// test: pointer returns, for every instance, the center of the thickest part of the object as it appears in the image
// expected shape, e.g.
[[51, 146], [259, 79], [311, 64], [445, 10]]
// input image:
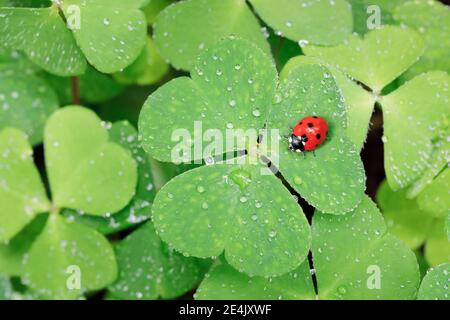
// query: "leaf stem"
[[75, 90]]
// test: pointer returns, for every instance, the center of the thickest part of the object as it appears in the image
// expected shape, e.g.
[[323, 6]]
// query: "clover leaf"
[[86, 171], [224, 282], [378, 60], [147, 69], [139, 208], [183, 30], [63, 246], [403, 216], [435, 197], [355, 258], [358, 101], [432, 19], [414, 226], [225, 92], [149, 269], [320, 22], [25, 103], [63, 50], [22, 194], [435, 283]]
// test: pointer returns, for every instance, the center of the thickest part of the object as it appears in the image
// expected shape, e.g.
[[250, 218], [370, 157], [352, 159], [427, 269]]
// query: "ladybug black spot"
[[303, 136], [315, 117], [301, 122], [310, 125], [318, 136]]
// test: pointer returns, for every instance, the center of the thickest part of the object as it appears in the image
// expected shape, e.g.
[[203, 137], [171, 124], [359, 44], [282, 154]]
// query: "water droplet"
[[241, 177], [204, 205], [254, 217], [232, 103], [298, 180], [200, 189], [272, 234], [342, 290], [106, 22], [303, 43], [256, 113], [243, 199], [237, 67]]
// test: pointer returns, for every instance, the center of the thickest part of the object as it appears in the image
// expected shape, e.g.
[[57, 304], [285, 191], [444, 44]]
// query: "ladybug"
[[308, 134]]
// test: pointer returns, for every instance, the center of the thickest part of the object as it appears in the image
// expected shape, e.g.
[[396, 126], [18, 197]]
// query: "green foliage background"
[[87, 185]]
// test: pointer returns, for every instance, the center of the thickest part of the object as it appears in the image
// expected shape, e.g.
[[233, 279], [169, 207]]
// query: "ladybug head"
[[296, 144]]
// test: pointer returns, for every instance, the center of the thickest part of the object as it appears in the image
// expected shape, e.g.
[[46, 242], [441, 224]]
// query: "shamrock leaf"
[[149, 269], [147, 69], [224, 282], [22, 194], [376, 60], [261, 228], [432, 19], [355, 258], [184, 29], [25, 102], [407, 151], [437, 247], [139, 209], [12, 254], [376, 63], [320, 21], [86, 171], [403, 216], [435, 284], [416, 227], [66, 255], [231, 88], [358, 101], [311, 90], [63, 50], [435, 197], [64, 246]]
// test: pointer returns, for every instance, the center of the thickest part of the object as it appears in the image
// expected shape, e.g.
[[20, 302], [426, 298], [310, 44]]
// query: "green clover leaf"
[[63, 50], [149, 269], [358, 101], [96, 176], [352, 252], [435, 283], [63, 247], [224, 92], [377, 60], [435, 197], [261, 228], [25, 103], [22, 194], [432, 19], [321, 22], [62, 244], [183, 30], [404, 108], [414, 226], [224, 282], [403, 216], [147, 69], [353, 258], [139, 208]]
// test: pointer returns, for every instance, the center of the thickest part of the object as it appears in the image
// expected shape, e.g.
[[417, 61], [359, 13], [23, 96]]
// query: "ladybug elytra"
[[308, 134]]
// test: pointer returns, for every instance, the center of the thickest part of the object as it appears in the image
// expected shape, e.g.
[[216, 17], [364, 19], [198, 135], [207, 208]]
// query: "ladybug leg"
[[314, 153]]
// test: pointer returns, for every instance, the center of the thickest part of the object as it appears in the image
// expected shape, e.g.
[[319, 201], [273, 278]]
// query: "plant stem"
[[75, 90]]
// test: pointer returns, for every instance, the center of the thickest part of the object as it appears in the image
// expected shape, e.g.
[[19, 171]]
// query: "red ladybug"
[[308, 134]]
